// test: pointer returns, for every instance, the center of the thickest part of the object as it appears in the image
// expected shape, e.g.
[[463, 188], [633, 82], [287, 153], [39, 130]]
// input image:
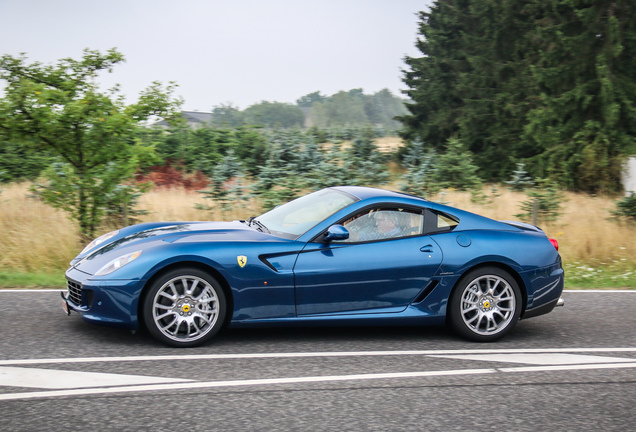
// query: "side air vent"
[[426, 291]]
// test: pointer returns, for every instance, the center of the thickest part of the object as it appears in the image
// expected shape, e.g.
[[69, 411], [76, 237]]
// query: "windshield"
[[297, 217]]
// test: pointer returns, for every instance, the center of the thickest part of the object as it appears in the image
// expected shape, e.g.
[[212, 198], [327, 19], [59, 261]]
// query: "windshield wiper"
[[259, 225]]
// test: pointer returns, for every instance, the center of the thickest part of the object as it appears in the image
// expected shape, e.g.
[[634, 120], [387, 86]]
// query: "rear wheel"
[[185, 307], [485, 305]]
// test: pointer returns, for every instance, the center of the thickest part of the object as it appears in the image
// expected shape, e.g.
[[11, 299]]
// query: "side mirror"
[[336, 232]]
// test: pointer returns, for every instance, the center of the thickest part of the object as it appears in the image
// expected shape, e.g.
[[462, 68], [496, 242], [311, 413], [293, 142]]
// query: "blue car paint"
[[332, 278], [302, 281]]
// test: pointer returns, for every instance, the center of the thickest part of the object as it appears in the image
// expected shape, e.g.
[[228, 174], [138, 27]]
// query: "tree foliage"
[[353, 107], [274, 114], [227, 115], [308, 100], [60, 110], [19, 161], [547, 82]]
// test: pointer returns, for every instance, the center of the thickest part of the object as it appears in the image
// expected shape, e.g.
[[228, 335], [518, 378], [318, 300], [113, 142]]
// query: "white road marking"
[[540, 359], [300, 380], [61, 379], [555, 368], [240, 383], [309, 354]]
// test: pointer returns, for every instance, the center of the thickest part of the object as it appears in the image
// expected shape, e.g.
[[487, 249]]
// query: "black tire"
[[485, 305], [185, 307]]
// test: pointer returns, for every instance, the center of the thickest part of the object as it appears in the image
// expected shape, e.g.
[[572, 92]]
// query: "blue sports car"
[[342, 255]]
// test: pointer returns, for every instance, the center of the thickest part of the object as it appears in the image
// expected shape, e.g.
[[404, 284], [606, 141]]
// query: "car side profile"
[[341, 255]]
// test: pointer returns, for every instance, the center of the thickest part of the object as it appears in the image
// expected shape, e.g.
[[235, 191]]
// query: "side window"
[[383, 223], [439, 222]]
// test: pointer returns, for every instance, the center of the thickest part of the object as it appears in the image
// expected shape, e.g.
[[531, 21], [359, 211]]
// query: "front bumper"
[[105, 302]]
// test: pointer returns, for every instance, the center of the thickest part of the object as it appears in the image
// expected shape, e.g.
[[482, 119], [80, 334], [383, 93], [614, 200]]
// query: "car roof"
[[362, 192]]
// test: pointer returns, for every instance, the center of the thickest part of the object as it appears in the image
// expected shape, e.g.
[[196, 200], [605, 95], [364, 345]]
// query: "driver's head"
[[386, 221]]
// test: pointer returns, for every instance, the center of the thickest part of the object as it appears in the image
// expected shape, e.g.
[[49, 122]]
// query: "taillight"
[[555, 243]]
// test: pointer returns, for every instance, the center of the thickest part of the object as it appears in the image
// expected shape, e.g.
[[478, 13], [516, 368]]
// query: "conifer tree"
[[419, 178], [520, 179]]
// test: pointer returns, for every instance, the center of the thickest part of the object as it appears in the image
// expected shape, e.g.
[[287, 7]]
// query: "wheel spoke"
[[167, 326], [207, 300], [160, 317], [492, 324], [166, 295], [497, 312], [492, 288]]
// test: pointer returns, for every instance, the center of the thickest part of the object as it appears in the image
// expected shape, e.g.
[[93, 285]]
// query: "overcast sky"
[[225, 51]]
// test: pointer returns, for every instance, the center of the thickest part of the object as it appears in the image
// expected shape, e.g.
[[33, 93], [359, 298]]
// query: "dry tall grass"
[[33, 236], [37, 238]]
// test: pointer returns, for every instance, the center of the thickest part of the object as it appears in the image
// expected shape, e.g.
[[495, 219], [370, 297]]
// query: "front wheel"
[[485, 305], [184, 308]]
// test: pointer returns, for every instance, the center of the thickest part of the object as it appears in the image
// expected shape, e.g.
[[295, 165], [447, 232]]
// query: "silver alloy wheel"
[[488, 304], [185, 308]]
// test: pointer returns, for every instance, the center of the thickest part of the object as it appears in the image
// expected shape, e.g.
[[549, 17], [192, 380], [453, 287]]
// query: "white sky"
[[222, 51]]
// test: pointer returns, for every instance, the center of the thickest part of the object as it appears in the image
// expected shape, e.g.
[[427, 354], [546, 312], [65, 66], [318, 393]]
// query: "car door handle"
[[427, 248]]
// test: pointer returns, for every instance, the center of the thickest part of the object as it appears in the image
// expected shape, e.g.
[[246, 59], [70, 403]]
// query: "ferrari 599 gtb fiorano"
[[342, 255]]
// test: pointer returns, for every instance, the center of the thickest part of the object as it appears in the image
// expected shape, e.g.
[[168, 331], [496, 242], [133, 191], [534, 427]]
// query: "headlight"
[[99, 240], [118, 263]]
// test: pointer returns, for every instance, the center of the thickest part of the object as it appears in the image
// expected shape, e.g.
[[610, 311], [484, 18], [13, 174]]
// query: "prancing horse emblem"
[[242, 260]]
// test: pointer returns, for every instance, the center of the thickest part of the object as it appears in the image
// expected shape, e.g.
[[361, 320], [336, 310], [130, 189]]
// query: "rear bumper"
[[544, 309], [545, 287]]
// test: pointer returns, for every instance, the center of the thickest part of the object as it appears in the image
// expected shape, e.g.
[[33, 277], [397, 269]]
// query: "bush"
[[626, 208]]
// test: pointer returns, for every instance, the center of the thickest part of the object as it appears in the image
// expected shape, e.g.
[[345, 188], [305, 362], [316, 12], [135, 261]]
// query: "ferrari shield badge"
[[242, 260]]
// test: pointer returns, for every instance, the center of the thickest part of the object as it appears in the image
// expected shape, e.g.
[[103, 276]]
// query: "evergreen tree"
[[626, 208], [433, 78], [279, 180], [226, 184], [520, 179], [550, 82], [333, 169], [419, 178], [366, 162], [586, 73], [544, 203]]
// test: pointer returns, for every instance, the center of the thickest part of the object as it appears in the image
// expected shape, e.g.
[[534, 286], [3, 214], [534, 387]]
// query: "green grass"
[[600, 275], [10, 279]]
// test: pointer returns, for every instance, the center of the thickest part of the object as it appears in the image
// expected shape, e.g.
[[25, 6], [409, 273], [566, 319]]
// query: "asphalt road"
[[571, 370]]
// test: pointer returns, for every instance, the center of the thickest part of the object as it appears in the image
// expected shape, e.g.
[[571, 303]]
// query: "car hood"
[[144, 236]]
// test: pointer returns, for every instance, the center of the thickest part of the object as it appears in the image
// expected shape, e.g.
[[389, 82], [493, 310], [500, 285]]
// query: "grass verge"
[[600, 275], [32, 280]]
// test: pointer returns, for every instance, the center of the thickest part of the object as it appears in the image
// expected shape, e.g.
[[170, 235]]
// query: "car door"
[[380, 268]]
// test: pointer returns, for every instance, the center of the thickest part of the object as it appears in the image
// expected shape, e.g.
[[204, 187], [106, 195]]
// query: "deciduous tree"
[[60, 108]]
